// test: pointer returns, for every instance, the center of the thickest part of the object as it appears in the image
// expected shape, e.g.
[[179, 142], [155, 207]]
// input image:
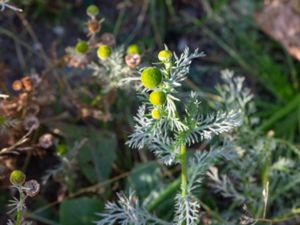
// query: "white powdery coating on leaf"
[[187, 210], [126, 211]]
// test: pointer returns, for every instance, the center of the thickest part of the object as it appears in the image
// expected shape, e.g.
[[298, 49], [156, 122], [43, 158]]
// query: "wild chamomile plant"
[[257, 180], [25, 189], [168, 126]]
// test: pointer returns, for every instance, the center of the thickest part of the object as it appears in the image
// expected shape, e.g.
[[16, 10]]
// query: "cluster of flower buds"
[[152, 79], [31, 187], [78, 55]]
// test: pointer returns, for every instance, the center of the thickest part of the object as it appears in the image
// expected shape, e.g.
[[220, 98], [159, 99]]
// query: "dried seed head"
[[31, 123], [133, 49], [17, 85], [94, 26], [78, 62], [108, 39], [32, 188], [17, 177], [92, 10], [151, 77], [74, 59], [46, 141], [133, 60], [104, 52], [157, 98], [82, 47], [28, 83]]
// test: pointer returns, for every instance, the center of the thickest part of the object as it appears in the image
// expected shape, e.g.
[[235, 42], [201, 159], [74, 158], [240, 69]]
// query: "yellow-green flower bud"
[[151, 77], [82, 47], [17, 177], [92, 10], [157, 98], [165, 55], [62, 150], [103, 52], [156, 114], [134, 49]]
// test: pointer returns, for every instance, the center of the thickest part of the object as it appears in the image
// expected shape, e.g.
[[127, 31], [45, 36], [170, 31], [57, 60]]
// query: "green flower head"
[[92, 10], [103, 52], [156, 114], [151, 77], [157, 98], [17, 177], [82, 47], [165, 56], [134, 49]]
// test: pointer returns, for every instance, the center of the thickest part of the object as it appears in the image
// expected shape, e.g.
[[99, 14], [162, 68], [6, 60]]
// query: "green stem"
[[20, 208], [169, 191], [183, 161], [19, 216]]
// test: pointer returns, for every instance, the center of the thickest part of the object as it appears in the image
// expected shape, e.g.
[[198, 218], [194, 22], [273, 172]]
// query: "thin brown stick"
[[21, 141]]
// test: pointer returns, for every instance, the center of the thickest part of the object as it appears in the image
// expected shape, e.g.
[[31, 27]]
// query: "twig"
[[18, 143], [4, 4], [34, 38]]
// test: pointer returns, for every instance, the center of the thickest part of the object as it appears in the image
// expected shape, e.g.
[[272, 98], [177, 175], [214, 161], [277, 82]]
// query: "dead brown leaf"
[[281, 20]]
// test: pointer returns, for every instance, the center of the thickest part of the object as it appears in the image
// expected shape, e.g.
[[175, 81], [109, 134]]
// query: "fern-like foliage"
[[194, 128], [182, 66], [224, 186], [201, 162], [127, 211], [178, 126], [233, 92], [204, 127], [113, 71], [187, 210], [142, 128]]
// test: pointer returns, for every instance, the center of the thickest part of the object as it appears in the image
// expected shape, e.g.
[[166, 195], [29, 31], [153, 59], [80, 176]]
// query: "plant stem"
[[20, 207], [19, 216], [183, 161], [169, 191]]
